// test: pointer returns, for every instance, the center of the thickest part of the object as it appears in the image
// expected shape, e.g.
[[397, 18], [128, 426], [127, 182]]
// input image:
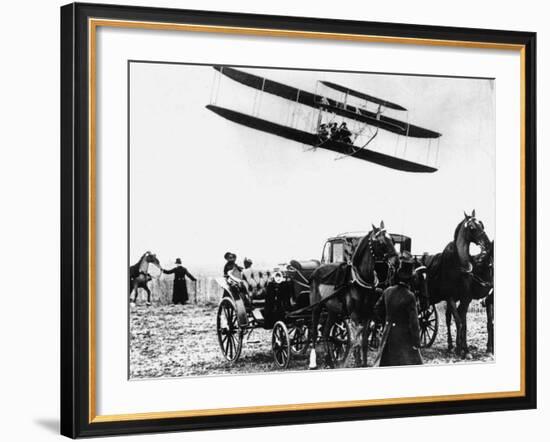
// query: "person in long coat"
[[401, 336], [179, 291]]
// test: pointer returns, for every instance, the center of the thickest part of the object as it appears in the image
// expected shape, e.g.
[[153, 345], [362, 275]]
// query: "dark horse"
[[481, 288], [450, 275], [139, 275], [354, 290]]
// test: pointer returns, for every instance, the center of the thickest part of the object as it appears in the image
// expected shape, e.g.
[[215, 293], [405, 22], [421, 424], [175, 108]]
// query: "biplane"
[[321, 137]]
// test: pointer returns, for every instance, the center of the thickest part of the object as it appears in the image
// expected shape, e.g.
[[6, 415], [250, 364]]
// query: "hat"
[[229, 255], [178, 261], [406, 267]]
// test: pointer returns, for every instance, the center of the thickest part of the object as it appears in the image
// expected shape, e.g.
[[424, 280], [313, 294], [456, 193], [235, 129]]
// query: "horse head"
[[470, 231], [146, 259], [377, 245], [381, 245], [152, 259], [475, 230]]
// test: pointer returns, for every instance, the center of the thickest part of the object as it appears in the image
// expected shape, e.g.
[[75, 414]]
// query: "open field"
[[171, 341]]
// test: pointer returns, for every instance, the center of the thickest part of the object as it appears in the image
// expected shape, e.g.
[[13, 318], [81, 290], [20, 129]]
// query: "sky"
[[201, 185]]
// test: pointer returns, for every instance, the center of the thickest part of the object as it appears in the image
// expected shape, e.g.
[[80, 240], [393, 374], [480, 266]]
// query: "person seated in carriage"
[[230, 263], [231, 270], [248, 284]]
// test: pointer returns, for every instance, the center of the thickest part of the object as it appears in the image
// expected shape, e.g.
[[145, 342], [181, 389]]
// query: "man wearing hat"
[[401, 336], [231, 263], [179, 292]]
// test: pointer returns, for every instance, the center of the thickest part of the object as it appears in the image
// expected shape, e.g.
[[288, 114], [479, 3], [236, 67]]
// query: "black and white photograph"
[[295, 219], [274, 221]]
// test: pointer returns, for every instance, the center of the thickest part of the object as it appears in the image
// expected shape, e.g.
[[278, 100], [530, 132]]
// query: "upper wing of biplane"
[[363, 96], [320, 102], [313, 140]]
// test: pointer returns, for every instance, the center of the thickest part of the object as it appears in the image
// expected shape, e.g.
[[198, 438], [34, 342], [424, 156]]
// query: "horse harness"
[[304, 282], [475, 278], [356, 277]]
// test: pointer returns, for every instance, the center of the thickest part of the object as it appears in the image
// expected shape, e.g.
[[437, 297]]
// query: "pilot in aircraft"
[[344, 134], [323, 132], [333, 130]]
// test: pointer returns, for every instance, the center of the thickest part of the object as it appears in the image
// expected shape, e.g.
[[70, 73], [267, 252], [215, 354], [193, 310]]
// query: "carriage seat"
[[300, 273], [306, 268], [255, 282]]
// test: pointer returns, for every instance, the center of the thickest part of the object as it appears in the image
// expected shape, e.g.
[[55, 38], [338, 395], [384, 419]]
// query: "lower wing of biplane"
[[313, 139]]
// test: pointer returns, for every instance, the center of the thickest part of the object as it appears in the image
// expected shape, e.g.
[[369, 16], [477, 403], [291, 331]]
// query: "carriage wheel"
[[338, 342], [374, 334], [230, 335], [280, 343], [299, 339], [428, 320]]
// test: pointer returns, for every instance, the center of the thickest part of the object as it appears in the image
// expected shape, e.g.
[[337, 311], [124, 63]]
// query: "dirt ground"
[[172, 341]]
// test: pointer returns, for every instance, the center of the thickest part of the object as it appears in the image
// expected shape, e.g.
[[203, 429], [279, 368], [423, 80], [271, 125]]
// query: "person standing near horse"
[[400, 340], [483, 289], [179, 291]]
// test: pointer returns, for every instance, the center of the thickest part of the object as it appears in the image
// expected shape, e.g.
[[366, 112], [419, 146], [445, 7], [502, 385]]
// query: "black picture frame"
[[75, 220]]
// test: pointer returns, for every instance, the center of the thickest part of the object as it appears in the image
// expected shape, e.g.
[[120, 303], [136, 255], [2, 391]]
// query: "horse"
[[139, 275], [450, 275], [354, 288], [481, 288]]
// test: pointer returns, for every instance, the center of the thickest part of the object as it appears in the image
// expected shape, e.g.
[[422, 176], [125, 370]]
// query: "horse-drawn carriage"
[[279, 300], [276, 300]]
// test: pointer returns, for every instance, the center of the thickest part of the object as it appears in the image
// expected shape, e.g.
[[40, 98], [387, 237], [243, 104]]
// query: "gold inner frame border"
[[93, 24]]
